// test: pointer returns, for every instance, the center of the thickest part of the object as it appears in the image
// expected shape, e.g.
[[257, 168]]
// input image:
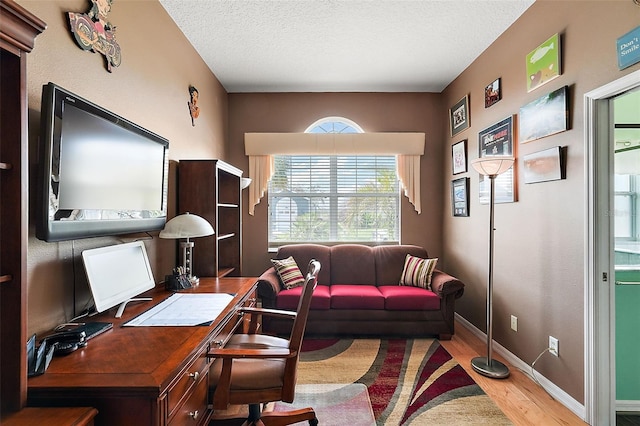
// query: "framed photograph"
[[460, 196], [497, 139], [547, 115], [492, 93], [459, 157], [459, 116], [544, 166], [543, 63]]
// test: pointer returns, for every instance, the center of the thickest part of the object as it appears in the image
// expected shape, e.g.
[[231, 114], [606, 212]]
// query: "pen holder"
[[176, 282]]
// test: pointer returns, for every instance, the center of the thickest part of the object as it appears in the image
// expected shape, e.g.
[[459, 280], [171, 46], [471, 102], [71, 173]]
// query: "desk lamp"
[[491, 167], [187, 226]]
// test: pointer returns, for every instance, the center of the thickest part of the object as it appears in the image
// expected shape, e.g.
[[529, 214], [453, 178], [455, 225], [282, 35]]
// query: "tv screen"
[[101, 174]]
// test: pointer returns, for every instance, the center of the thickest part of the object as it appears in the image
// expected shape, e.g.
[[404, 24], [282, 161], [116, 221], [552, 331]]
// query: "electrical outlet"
[[514, 323], [554, 346]]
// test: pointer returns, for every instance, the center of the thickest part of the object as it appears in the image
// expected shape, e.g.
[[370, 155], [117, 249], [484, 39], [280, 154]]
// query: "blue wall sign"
[[629, 49]]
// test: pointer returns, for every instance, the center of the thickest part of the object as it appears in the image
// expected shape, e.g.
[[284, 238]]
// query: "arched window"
[[334, 198]]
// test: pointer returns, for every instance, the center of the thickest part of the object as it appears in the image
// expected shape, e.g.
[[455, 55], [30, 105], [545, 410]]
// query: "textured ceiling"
[[341, 45]]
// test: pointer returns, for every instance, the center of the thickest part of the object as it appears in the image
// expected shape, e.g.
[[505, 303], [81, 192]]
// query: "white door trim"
[[599, 351]]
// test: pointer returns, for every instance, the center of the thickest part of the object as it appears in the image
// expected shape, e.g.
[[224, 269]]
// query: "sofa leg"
[[444, 336]]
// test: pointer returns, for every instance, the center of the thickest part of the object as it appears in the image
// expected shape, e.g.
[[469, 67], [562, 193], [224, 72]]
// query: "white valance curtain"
[[261, 147]]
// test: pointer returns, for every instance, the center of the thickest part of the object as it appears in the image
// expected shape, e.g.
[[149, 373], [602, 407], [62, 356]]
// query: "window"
[[326, 199]]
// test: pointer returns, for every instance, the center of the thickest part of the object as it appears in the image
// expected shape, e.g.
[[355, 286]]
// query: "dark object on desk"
[[38, 359], [91, 329], [61, 343], [176, 282], [65, 342]]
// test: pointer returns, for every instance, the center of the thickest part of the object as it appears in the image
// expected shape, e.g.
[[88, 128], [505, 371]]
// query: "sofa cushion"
[[417, 272], [402, 298], [390, 261], [288, 299], [352, 264], [356, 296], [288, 272], [303, 253]]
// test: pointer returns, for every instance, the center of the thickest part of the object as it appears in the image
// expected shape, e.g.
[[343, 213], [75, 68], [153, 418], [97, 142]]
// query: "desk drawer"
[[194, 410], [196, 374]]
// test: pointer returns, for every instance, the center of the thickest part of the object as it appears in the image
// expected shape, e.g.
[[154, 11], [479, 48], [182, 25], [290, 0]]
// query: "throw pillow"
[[288, 272], [417, 272]]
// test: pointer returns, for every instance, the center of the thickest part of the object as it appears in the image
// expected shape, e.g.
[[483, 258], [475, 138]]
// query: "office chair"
[[255, 369]]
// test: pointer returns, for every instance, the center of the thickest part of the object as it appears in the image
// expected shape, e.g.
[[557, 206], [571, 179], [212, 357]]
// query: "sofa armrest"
[[444, 284], [269, 287]]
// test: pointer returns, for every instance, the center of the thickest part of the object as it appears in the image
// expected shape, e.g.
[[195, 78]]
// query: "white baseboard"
[[628, 406], [558, 394]]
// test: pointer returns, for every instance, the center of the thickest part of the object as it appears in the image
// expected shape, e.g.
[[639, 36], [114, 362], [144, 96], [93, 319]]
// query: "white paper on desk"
[[184, 309]]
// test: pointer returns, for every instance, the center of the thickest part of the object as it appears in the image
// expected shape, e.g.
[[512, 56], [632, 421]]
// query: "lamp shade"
[[492, 166], [187, 226]]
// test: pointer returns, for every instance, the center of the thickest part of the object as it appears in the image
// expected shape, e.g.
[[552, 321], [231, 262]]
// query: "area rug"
[[409, 381], [334, 404]]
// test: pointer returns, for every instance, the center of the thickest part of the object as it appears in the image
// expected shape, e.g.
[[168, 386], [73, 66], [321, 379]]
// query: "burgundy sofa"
[[358, 293]]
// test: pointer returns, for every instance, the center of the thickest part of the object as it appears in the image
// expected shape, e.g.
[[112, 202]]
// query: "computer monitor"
[[117, 273]]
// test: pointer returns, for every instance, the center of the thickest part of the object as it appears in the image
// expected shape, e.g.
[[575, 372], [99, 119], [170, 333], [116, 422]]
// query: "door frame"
[[599, 297]]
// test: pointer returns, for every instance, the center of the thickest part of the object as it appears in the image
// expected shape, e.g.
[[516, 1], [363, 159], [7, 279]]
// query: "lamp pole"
[[486, 365]]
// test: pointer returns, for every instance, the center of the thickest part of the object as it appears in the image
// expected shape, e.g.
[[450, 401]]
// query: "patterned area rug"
[[413, 381], [334, 404]]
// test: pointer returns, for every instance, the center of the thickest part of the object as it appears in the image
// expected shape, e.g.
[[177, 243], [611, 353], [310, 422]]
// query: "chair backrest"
[[304, 304], [297, 331]]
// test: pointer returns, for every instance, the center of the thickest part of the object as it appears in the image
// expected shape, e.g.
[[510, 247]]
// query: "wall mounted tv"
[[100, 174]]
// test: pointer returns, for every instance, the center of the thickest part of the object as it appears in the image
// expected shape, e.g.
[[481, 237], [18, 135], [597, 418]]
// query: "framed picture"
[[460, 196], [547, 115], [492, 93], [459, 157], [543, 63], [497, 139], [544, 166], [459, 116]]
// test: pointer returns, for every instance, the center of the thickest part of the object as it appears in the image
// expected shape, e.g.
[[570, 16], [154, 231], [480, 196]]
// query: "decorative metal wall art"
[[94, 32], [194, 109]]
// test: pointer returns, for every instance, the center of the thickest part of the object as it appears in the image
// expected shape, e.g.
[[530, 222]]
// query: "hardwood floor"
[[519, 397]]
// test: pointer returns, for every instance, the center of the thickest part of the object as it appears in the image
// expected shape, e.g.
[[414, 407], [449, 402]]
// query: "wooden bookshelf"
[[212, 189]]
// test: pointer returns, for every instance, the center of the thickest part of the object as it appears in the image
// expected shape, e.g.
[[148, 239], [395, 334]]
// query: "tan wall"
[[374, 112], [150, 88], [539, 240]]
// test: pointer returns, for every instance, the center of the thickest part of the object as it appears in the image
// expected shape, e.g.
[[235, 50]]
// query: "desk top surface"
[[143, 357]]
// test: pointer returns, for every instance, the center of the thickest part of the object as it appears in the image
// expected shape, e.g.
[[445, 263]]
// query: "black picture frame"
[[460, 197], [459, 157], [497, 139], [493, 92], [459, 116]]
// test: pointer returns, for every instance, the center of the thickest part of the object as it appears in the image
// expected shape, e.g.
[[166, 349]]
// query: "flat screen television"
[[100, 174]]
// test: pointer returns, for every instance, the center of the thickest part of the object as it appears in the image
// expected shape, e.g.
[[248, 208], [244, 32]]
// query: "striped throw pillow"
[[417, 272], [288, 272]]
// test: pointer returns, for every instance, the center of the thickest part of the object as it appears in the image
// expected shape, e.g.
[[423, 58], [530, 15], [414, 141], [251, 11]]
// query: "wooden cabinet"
[[211, 189], [145, 375], [18, 30]]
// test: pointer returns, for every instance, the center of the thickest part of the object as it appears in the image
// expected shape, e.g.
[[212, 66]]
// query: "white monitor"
[[117, 273]]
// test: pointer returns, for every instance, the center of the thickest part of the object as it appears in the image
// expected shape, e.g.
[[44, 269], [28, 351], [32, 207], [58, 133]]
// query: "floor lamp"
[[491, 167]]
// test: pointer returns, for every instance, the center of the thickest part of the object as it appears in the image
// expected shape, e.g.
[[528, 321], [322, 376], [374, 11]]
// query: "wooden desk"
[[144, 375]]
